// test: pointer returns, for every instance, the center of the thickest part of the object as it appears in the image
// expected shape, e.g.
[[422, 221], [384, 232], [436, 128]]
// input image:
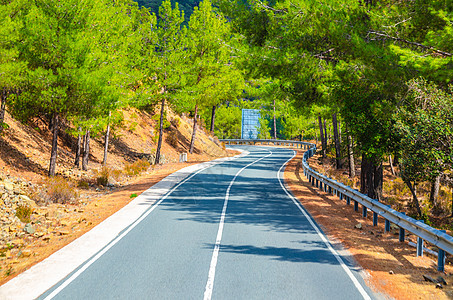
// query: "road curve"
[[231, 231]]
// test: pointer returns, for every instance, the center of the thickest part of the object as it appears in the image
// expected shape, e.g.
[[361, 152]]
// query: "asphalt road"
[[229, 232]]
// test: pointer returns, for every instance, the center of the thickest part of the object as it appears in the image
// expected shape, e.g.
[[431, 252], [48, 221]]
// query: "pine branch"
[[411, 43]]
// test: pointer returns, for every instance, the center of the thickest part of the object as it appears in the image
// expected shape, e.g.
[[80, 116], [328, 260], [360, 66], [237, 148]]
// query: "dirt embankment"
[[393, 267], [32, 226]]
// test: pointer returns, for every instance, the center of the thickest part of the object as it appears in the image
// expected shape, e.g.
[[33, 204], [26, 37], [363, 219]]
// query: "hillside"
[[39, 215]]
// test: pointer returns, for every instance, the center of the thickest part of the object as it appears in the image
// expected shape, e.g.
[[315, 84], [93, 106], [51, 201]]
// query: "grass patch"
[[136, 168], [60, 191]]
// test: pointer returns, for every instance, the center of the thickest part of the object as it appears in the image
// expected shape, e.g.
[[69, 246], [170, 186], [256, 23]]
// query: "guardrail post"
[[356, 206], [320, 185], [325, 188], [387, 222], [348, 200], [364, 211], [375, 218], [420, 243], [341, 196], [330, 189], [402, 232], [441, 259], [317, 183]]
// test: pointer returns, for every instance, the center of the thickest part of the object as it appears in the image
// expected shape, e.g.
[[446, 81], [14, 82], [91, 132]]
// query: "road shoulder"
[[393, 267]]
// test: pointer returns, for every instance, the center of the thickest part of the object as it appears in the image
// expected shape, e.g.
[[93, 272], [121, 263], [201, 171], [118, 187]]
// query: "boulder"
[[29, 229], [8, 185]]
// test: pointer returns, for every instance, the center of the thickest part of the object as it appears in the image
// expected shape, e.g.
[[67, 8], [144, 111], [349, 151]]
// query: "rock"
[[39, 234], [63, 232], [18, 242], [9, 187], [429, 278], [29, 229], [391, 272], [26, 253], [112, 182], [393, 226], [358, 226], [24, 198], [65, 223], [441, 280], [439, 286], [46, 237]]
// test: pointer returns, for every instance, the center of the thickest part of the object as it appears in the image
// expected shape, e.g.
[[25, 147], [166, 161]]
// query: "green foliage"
[[166, 123], [134, 195], [264, 129], [228, 122], [425, 130], [186, 5]]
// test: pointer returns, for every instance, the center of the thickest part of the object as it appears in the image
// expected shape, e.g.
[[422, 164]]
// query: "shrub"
[[136, 168], [172, 138], [60, 191], [134, 195], [116, 174], [176, 121], [83, 184], [23, 212], [103, 176]]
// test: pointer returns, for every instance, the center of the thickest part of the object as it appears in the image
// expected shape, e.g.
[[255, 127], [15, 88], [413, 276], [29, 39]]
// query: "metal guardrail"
[[438, 238]]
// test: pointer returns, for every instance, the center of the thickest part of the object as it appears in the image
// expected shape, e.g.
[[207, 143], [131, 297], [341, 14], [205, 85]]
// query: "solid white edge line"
[[322, 236], [215, 254], [113, 242]]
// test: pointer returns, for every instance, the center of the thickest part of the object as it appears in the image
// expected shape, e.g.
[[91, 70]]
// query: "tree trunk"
[[325, 132], [451, 190], [213, 119], [413, 190], [371, 177], [351, 163], [275, 124], [435, 185], [323, 141], [194, 131], [106, 141], [391, 165], [79, 146], [86, 151], [3, 96], [53, 152], [161, 132], [337, 141]]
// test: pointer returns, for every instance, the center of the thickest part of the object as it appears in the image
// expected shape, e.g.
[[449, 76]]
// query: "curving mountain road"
[[230, 231]]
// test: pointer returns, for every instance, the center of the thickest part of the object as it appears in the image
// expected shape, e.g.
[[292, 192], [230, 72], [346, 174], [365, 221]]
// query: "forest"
[[374, 75]]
